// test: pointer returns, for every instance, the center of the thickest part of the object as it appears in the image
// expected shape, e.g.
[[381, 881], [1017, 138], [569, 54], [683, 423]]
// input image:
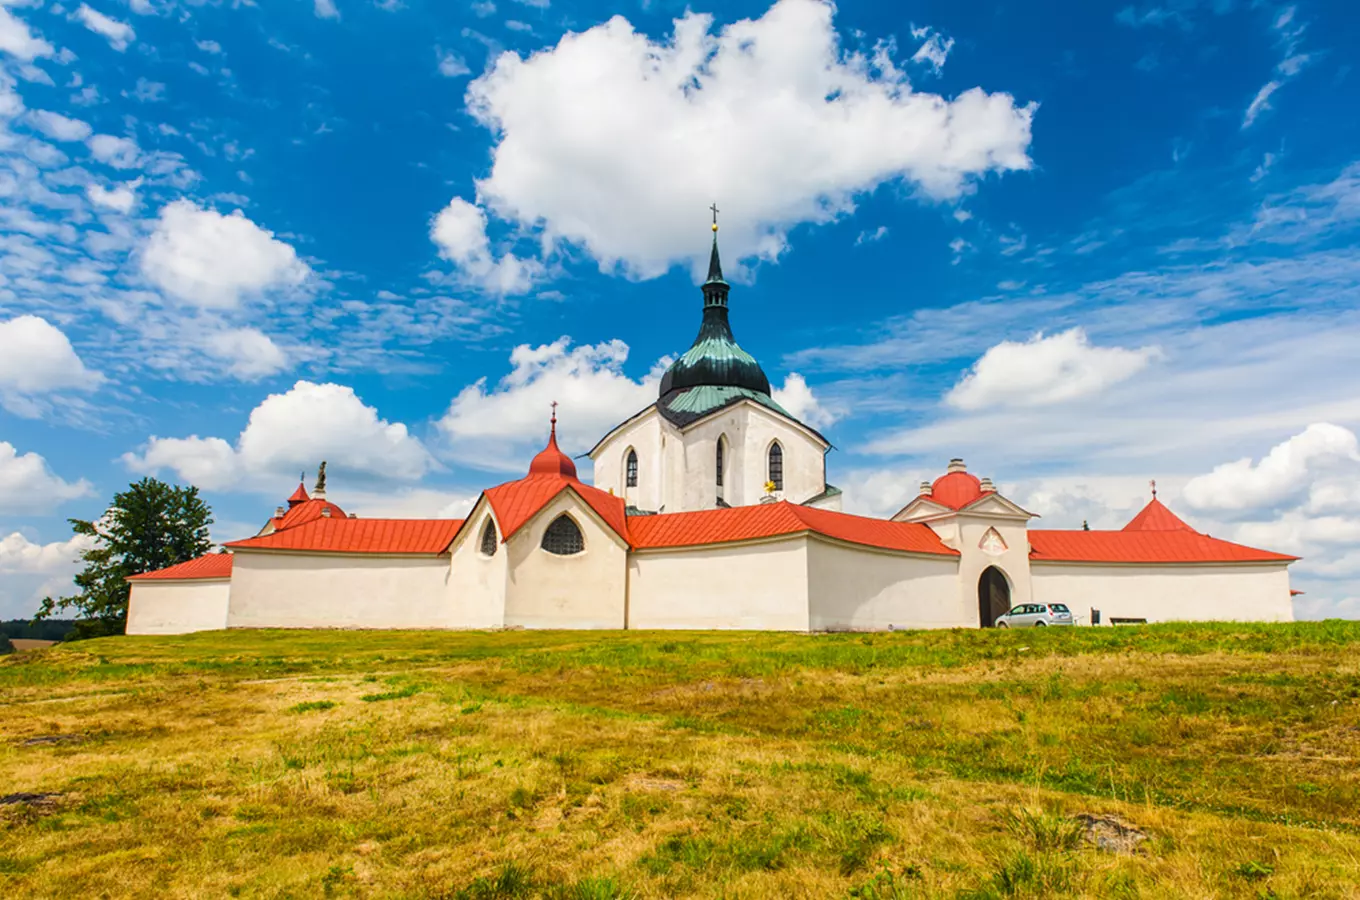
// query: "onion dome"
[[552, 461], [715, 359], [958, 487]]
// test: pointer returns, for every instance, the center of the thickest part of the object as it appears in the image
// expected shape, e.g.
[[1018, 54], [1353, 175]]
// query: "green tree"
[[149, 526]]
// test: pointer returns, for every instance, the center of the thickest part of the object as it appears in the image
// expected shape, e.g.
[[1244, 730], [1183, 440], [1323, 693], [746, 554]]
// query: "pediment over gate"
[[996, 505]]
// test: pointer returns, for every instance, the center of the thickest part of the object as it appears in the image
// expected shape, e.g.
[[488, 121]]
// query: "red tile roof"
[[299, 495], [1156, 517], [415, 536], [307, 511], [1178, 546], [211, 565], [720, 526], [956, 489], [516, 502]]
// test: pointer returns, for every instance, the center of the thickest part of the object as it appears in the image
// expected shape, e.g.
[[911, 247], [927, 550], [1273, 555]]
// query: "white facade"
[[178, 607], [274, 589], [1245, 592], [677, 467]]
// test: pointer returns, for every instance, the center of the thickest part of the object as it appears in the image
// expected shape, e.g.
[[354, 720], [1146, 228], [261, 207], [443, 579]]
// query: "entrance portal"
[[994, 596]]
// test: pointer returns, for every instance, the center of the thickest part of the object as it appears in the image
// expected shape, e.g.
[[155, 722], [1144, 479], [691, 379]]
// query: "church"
[[710, 509]]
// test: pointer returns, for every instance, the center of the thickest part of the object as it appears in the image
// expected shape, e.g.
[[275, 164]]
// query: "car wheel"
[[1039, 624], [1001, 625]]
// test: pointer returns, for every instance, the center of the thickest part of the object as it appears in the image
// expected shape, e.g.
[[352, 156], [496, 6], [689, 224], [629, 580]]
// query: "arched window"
[[489, 538], [776, 467], [563, 537], [721, 442], [631, 468]]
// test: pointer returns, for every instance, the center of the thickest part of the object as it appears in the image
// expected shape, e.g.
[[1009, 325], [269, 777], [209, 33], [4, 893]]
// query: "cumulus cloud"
[[17, 40], [118, 34], [19, 555], [118, 152], [1046, 370], [27, 485], [288, 432], [120, 198], [613, 142], [1285, 473], [797, 398], [325, 9], [59, 127], [37, 358], [206, 259], [459, 230], [492, 427]]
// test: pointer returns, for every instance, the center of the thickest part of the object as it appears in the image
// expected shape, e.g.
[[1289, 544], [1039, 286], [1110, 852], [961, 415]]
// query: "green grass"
[[644, 765]]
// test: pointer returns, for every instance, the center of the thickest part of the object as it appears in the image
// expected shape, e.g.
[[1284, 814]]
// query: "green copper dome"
[[715, 360]]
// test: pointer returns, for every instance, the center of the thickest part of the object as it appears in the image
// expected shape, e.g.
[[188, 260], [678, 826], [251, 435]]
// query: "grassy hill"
[[547, 764]]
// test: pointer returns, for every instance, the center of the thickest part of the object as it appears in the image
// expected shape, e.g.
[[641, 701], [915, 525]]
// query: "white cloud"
[[451, 65], [141, 7], [459, 230], [17, 40], [869, 237], [118, 152], [19, 555], [36, 358], [609, 141], [121, 198], [494, 428], [118, 34], [206, 259], [288, 432], [248, 352], [1260, 103], [59, 127], [1046, 370], [209, 47], [796, 397], [934, 51], [325, 9], [27, 485], [1285, 473]]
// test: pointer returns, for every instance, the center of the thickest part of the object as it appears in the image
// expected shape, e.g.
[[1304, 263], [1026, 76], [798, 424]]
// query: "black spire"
[[715, 359], [715, 288]]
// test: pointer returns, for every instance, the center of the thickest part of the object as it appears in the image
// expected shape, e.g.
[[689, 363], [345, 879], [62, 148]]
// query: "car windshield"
[[1057, 607]]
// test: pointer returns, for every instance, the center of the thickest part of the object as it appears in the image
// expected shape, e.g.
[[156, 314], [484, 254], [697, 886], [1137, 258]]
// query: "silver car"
[[1035, 615]]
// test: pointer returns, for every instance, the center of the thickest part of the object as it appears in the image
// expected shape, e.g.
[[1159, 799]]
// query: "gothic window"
[[631, 466], [563, 537], [489, 540], [721, 441], [777, 466]]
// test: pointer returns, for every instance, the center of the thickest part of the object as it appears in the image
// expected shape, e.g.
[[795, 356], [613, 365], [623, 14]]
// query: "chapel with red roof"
[[709, 509]]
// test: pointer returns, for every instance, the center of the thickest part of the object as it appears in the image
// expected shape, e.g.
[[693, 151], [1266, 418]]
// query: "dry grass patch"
[[554, 765]]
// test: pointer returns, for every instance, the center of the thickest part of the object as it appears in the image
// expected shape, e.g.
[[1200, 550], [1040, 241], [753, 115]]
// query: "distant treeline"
[[46, 630]]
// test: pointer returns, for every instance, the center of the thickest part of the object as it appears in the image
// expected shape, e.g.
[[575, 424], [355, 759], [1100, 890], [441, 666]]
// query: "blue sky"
[[1082, 245]]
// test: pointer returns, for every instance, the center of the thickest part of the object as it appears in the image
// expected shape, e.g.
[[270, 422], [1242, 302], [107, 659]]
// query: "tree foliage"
[[149, 526]]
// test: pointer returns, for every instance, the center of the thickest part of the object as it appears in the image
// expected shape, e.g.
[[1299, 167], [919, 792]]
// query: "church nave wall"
[[857, 589], [316, 590]]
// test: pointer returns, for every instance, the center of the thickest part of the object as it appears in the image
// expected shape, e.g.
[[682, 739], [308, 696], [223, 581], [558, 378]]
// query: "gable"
[[994, 504], [626, 425]]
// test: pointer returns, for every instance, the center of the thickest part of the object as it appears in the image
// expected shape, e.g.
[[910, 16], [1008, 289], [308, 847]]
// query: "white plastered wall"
[[648, 435], [1167, 593], [585, 590], [178, 607], [965, 532], [752, 585], [318, 590], [861, 589], [476, 588], [677, 469]]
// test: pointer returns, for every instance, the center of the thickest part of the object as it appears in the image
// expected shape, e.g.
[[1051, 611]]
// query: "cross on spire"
[[1153, 483], [714, 207], [554, 418]]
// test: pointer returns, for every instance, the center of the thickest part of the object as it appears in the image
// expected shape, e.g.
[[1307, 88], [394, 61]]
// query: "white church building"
[[710, 509]]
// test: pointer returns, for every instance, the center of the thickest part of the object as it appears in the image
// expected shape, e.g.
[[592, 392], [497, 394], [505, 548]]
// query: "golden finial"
[[714, 207]]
